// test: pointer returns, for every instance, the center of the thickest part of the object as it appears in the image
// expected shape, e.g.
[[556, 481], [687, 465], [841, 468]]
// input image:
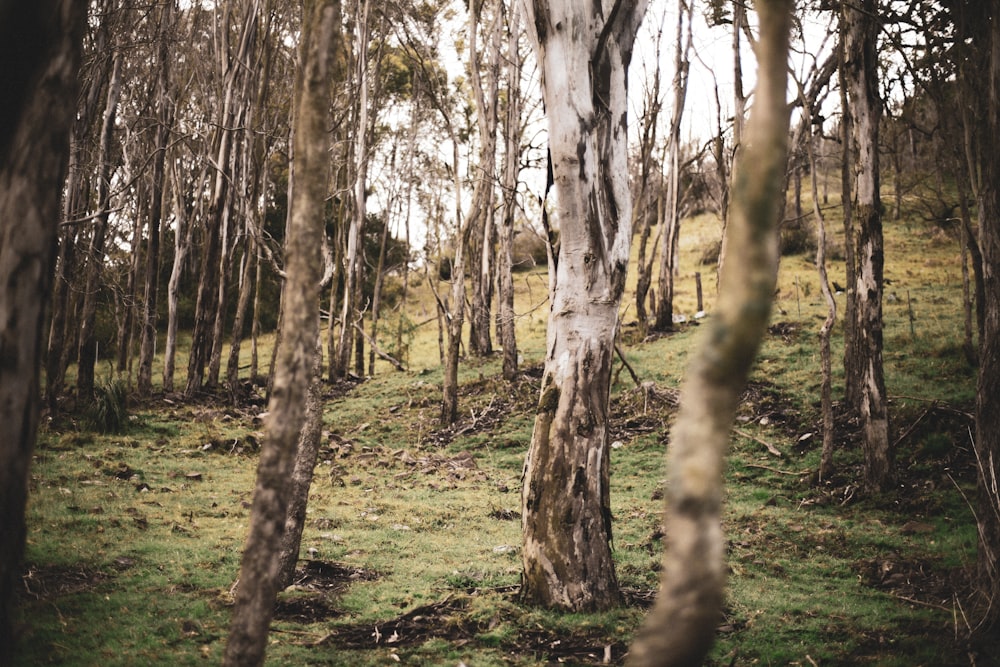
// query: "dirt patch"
[[314, 589]]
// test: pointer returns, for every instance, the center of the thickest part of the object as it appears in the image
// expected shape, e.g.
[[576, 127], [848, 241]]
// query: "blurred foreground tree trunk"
[[39, 61], [681, 626], [584, 50], [258, 583]]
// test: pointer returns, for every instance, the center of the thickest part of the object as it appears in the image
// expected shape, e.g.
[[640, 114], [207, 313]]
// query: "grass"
[[135, 538]]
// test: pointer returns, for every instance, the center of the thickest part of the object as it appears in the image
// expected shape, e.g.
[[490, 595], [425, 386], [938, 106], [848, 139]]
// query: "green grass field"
[[413, 532]]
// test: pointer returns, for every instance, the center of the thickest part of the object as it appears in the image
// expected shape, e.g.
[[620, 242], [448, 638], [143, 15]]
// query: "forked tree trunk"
[[39, 60], [355, 237], [296, 359], [584, 51], [680, 628], [860, 32]]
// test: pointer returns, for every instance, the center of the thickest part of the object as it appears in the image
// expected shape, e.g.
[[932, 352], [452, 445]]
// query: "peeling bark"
[[584, 53]]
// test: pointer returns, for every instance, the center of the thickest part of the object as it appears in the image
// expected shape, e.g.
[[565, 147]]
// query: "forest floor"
[[411, 549]]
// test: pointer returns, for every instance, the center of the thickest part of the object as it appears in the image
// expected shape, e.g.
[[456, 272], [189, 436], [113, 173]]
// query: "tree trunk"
[[987, 444], [87, 355], [681, 626], [127, 299], [481, 250], [209, 300], [39, 60], [182, 244], [650, 120], [302, 475], [826, 466], [510, 171], [355, 236], [147, 345], [566, 513], [259, 570], [248, 269], [860, 32], [739, 115], [671, 220], [60, 340]]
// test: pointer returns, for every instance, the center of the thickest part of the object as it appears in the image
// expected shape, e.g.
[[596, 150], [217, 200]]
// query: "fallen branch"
[[771, 448], [631, 371], [912, 427], [780, 472], [392, 360]]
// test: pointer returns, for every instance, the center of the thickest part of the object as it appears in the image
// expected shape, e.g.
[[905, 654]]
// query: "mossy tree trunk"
[[39, 60], [296, 357], [680, 628], [584, 51]]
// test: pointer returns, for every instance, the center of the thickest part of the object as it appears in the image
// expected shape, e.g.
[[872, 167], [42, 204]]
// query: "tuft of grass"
[[108, 413]]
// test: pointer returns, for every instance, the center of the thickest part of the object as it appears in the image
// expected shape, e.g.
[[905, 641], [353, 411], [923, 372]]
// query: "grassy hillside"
[[411, 546]]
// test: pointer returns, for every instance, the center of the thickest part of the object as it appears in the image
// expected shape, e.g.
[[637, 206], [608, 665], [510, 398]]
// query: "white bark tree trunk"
[[584, 51]]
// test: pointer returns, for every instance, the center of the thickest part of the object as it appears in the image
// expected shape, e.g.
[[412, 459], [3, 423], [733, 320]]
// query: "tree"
[[584, 51], [87, 356], [864, 376], [671, 208], [165, 119], [680, 628], [206, 338], [509, 171], [987, 444], [39, 61], [295, 364], [485, 80]]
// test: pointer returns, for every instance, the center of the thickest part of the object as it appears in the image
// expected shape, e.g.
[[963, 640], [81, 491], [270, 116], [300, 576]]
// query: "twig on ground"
[[771, 448], [780, 472]]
